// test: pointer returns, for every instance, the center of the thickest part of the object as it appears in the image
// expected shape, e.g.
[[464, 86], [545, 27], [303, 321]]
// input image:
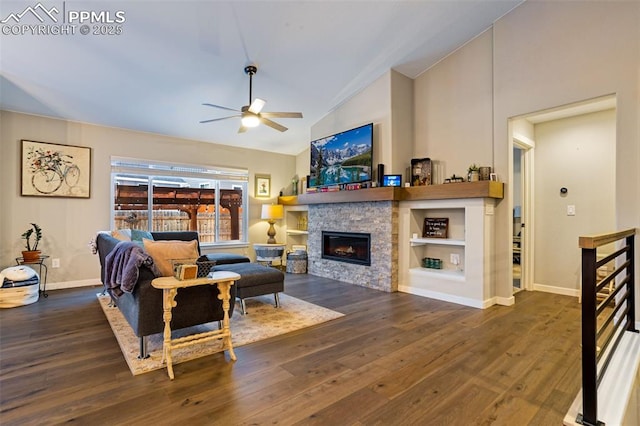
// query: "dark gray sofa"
[[143, 307]]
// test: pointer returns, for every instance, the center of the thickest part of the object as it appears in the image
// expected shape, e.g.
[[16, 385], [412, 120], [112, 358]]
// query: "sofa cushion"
[[138, 235], [121, 234], [252, 274], [163, 252]]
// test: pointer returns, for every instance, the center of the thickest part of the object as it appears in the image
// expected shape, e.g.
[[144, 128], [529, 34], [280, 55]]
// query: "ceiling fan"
[[250, 114]]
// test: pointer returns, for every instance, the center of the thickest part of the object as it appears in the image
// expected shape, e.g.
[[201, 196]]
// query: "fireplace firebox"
[[347, 247]]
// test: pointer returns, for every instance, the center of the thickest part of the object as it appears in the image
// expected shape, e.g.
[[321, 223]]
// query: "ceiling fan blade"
[[221, 107], [218, 119], [257, 105], [242, 129], [282, 114], [273, 124]]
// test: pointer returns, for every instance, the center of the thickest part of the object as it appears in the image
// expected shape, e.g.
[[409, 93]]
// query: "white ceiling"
[[174, 55]]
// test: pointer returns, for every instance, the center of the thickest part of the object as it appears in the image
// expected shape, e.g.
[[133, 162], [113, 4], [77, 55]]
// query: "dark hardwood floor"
[[393, 359]]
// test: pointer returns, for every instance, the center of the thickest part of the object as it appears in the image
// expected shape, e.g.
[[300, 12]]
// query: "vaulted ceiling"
[[172, 56]]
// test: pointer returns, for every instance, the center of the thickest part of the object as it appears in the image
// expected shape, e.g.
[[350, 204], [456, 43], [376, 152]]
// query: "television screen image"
[[392, 180], [342, 158]]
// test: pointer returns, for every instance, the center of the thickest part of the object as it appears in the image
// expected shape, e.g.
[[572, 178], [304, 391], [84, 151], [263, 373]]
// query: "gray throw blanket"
[[122, 267]]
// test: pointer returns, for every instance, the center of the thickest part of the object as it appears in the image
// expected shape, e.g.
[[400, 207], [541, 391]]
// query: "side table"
[[270, 253], [170, 285], [41, 264]]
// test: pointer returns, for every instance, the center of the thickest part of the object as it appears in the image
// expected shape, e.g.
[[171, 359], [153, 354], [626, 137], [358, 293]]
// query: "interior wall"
[[549, 54], [523, 130], [453, 110], [402, 124], [303, 161], [577, 153], [388, 103], [539, 56], [69, 224], [371, 105]]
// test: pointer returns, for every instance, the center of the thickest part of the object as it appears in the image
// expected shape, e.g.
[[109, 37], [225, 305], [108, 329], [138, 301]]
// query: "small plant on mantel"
[[32, 253], [474, 173]]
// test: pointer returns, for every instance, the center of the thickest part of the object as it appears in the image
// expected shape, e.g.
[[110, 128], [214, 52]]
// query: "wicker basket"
[[297, 263]]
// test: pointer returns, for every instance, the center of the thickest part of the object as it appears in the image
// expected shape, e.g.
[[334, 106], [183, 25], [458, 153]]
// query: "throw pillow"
[[164, 252], [138, 235], [121, 234]]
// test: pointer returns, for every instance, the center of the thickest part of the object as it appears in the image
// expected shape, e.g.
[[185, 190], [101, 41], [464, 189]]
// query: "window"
[[156, 196]]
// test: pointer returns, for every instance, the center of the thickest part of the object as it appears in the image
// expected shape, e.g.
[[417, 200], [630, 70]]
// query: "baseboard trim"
[[447, 297], [506, 301], [73, 284], [574, 292]]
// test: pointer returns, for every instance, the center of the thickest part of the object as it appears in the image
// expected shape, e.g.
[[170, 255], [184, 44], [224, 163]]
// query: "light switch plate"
[[571, 210]]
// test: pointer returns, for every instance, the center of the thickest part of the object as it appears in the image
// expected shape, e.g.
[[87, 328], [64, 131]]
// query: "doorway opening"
[[568, 192], [518, 223]]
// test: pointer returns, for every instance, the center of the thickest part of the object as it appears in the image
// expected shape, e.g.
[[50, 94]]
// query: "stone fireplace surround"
[[380, 219]]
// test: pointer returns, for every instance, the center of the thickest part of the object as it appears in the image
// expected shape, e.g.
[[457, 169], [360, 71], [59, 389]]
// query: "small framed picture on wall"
[[263, 186]]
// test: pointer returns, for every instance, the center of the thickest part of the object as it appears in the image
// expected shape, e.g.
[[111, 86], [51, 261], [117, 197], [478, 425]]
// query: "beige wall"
[[541, 55], [398, 160], [372, 105], [69, 224], [453, 102], [577, 153], [548, 54], [388, 104]]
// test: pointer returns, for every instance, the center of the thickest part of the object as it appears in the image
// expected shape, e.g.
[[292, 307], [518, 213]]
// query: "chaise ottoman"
[[255, 279]]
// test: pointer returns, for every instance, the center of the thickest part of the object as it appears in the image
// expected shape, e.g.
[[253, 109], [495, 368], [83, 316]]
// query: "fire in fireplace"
[[347, 247]]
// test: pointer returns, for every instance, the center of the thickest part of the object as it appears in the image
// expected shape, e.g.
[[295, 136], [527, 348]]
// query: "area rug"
[[262, 322]]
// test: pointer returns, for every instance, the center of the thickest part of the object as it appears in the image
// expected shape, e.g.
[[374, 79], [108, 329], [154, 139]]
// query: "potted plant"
[[32, 254], [474, 173]]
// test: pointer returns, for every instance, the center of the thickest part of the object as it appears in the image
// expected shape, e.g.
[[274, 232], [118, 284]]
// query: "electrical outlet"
[[455, 258], [55, 263], [571, 210]]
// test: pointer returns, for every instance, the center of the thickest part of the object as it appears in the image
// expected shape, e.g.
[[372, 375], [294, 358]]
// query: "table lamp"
[[272, 212]]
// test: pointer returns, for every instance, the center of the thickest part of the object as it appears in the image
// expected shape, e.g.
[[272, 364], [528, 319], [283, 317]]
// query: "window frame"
[[219, 176]]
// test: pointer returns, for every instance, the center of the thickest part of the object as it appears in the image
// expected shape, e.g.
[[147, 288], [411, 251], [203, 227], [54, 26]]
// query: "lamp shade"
[[272, 211]]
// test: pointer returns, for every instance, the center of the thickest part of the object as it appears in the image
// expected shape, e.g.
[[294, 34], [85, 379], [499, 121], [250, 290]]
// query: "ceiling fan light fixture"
[[251, 115], [250, 120]]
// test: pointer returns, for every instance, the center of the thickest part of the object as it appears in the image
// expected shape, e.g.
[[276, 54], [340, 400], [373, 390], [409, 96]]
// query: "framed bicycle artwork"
[[55, 170]]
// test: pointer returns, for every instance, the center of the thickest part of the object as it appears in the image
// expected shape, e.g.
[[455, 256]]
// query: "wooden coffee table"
[[170, 285]]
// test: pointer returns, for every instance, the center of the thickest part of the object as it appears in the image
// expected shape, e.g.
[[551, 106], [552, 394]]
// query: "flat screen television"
[[343, 158]]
